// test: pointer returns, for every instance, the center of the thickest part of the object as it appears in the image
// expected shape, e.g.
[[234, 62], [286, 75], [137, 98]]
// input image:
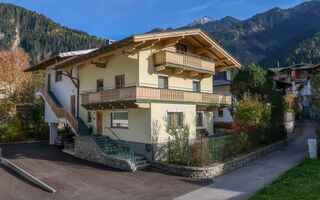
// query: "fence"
[[206, 151]]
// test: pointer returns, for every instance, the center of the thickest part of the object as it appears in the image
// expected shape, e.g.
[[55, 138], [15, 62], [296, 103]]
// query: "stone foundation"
[[219, 168], [86, 148]]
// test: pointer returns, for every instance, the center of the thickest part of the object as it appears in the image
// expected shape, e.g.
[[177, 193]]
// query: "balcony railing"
[[143, 93], [166, 57]]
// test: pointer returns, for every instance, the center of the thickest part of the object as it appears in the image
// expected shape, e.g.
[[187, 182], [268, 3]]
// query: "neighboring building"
[[221, 85], [131, 90], [295, 81]]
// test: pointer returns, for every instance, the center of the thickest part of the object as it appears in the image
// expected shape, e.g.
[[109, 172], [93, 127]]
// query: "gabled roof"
[[197, 36], [57, 59]]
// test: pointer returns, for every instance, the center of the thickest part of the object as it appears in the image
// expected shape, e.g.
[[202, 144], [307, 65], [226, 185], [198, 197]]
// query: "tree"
[[315, 89], [12, 77], [255, 82]]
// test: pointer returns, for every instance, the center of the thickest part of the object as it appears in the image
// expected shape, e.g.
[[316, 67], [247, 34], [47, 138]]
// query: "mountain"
[[284, 35], [202, 20], [38, 35], [212, 25]]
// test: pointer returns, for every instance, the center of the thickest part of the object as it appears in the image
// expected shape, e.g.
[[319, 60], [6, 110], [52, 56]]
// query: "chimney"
[[110, 41]]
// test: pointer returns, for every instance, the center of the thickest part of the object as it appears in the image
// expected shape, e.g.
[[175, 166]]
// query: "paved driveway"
[[74, 178]]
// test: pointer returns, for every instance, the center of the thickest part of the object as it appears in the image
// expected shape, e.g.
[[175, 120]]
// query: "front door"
[[73, 103], [49, 82], [99, 121]]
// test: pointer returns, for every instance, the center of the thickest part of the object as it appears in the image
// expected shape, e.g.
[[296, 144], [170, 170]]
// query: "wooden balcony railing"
[[185, 60], [59, 112], [143, 93]]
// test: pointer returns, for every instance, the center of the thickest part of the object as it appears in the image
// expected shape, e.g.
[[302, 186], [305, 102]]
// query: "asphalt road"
[[246, 181], [74, 178]]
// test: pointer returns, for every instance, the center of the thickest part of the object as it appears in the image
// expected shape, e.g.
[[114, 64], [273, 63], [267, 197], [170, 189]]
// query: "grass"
[[299, 183]]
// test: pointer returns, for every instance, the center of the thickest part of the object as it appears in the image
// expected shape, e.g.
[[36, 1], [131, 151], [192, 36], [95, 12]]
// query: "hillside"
[[39, 35], [284, 35]]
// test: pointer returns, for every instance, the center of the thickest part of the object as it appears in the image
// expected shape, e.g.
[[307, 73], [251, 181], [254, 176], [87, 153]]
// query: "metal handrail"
[[113, 133]]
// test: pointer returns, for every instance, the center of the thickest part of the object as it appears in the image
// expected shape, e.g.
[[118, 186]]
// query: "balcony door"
[[99, 122]]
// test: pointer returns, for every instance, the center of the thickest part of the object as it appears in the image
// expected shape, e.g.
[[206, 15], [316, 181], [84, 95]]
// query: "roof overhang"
[[203, 42], [61, 57]]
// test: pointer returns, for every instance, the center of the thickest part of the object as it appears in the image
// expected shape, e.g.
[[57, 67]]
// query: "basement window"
[[119, 119]]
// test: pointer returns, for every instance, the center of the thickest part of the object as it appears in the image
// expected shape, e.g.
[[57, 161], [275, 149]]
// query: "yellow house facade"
[[134, 88]]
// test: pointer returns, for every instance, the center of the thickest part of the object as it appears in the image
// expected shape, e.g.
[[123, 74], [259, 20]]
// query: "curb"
[[24, 142], [26, 175]]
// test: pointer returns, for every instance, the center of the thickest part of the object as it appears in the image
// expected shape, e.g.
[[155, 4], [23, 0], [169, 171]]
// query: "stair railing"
[[59, 112]]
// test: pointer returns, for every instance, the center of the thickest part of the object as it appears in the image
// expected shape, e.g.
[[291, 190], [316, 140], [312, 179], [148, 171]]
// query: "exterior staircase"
[[61, 113], [118, 150]]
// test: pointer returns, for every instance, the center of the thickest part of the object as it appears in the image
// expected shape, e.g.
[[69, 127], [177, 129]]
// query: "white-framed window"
[[119, 119], [163, 81], [228, 75], [220, 113], [196, 86], [199, 118]]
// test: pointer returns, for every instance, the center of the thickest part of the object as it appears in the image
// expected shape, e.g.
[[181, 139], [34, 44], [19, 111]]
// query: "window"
[[119, 119], [228, 75], [175, 119], [119, 81], [89, 117], [58, 76], [199, 118], [220, 113], [196, 85], [100, 85], [163, 82], [181, 48]]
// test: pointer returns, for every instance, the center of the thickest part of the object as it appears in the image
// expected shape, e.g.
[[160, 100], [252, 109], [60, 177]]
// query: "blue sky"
[[117, 19]]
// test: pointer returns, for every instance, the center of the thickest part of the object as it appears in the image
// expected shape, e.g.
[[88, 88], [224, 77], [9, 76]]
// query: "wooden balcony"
[[142, 94], [193, 64]]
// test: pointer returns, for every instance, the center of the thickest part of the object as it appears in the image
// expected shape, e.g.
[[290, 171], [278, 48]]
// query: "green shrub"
[[11, 131]]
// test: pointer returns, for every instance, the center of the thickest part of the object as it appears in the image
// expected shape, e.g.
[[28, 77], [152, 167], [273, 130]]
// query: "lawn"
[[299, 183]]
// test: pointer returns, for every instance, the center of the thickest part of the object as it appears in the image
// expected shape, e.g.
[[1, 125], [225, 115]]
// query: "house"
[[221, 85], [295, 81], [129, 91]]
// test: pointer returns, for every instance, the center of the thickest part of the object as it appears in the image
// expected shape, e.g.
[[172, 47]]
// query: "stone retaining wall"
[[219, 168], [86, 148]]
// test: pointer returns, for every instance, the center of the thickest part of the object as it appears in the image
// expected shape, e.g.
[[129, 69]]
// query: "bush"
[[11, 131]]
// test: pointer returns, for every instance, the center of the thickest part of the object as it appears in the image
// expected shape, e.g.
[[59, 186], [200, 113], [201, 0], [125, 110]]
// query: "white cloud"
[[197, 8]]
